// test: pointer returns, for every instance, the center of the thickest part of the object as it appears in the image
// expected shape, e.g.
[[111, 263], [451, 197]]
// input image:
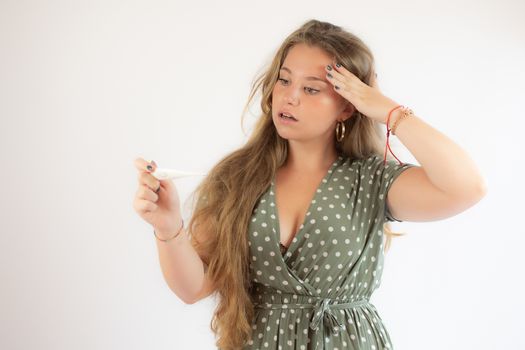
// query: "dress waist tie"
[[322, 315]]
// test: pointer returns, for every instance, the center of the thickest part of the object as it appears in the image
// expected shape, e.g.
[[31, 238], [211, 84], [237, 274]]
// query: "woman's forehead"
[[306, 61]]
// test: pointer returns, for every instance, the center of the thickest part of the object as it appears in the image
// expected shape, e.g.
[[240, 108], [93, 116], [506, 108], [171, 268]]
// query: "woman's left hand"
[[366, 99]]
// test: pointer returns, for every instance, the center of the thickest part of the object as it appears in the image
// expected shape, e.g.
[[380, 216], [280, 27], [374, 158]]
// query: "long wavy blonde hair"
[[228, 195]]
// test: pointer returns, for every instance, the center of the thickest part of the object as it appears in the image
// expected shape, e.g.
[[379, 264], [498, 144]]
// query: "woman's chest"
[[292, 201]]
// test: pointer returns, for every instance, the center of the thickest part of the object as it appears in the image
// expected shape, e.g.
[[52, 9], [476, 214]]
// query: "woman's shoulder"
[[364, 163], [375, 162], [375, 165]]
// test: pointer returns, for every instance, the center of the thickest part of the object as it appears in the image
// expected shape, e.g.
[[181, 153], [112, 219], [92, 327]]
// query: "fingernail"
[[338, 65], [150, 168], [328, 67]]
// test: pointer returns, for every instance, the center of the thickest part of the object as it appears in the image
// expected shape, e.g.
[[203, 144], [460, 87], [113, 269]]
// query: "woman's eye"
[[313, 91]]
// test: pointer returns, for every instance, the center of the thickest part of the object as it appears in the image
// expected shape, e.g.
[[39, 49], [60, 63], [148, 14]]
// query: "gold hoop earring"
[[340, 135]]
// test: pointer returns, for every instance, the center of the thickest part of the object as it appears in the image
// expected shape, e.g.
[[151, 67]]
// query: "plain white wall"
[[88, 86]]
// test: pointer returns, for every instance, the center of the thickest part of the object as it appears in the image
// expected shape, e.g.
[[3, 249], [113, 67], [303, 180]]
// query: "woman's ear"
[[349, 109]]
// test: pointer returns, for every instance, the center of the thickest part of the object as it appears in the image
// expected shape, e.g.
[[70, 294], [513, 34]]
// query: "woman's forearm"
[[181, 266], [446, 164]]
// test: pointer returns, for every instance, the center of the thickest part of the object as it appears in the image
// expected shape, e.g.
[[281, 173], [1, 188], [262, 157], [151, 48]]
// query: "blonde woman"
[[289, 231]]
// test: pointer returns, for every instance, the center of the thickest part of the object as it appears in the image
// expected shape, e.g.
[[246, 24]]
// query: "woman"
[[289, 230]]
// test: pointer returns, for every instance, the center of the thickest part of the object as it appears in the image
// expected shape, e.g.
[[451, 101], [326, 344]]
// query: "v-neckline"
[[297, 236]]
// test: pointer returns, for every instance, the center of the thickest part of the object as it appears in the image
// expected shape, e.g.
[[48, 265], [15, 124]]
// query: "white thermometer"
[[163, 173]]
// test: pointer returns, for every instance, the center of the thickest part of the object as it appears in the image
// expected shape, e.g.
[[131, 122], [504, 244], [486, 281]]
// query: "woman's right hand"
[[162, 209]]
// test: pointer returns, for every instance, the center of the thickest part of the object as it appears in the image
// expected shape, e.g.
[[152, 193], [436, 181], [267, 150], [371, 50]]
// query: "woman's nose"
[[291, 99], [291, 95]]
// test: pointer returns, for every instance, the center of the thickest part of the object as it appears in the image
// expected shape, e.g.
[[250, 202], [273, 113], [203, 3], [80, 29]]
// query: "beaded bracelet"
[[407, 112], [165, 240]]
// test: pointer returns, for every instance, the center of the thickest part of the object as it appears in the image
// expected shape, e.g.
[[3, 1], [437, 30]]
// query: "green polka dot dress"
[[315, 294]]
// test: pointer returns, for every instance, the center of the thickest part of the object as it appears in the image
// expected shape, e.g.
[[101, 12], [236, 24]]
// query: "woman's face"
[[304, 91]]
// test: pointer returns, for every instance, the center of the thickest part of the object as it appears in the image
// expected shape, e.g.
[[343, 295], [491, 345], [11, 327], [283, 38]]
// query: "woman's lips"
[[286, 120], [288, 116]]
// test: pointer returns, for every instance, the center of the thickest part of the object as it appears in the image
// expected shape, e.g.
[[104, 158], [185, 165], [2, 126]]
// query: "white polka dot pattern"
[[315, 295]]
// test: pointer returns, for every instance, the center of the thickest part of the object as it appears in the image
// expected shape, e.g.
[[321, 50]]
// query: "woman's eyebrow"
[[307, 78]]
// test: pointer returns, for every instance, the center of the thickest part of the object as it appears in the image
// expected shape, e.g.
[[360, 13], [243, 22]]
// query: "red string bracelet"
[[388, 129]]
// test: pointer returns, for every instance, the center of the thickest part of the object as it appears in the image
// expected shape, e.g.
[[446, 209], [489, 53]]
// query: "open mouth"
[[286, 117]]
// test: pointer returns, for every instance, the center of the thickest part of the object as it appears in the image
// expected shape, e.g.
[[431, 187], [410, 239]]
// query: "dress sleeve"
[[384, 175]]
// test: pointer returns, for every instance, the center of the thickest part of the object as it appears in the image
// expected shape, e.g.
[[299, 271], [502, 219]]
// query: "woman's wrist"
[[168, 236], [396, 114], [407, 113]]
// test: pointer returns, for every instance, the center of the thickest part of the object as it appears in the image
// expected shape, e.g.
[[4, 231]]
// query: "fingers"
[[144, 175], [142, 165], [142, 205], [334, 78], [145, 192], [340, 77], [146, 197], [341, 73], [145, 178]]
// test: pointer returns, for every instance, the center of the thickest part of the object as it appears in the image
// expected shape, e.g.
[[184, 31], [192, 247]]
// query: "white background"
[[88, 86]]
